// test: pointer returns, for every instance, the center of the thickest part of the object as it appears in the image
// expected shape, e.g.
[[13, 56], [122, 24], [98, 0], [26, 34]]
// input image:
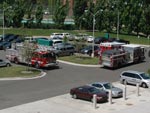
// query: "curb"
[[82, 65], [42, 74]]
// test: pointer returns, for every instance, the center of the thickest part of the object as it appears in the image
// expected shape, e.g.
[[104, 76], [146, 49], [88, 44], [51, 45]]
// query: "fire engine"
[[114, 55], [40, 57]]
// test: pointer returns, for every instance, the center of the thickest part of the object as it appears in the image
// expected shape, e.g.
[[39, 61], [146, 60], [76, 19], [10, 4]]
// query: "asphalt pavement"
[[66, 104]]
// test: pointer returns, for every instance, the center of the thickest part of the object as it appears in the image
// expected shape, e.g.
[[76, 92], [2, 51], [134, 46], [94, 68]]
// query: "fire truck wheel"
[[16, 61], [37, 65], [8, 65]]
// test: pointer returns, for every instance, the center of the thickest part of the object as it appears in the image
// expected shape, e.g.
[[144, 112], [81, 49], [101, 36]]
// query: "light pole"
[[118, 19], [148, 41], [93, 14], [4, 20], [118, 25]]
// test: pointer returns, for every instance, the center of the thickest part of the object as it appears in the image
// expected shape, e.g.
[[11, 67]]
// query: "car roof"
[[85, 86], [100, 83], [132, 71]]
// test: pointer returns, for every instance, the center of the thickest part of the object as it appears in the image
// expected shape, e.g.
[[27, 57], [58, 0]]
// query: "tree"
[[60, 13], [79, 9], [28, 49], [18, 9], [39, 14]]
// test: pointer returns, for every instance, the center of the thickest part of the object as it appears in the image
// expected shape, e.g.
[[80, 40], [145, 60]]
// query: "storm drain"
[[129, 104]]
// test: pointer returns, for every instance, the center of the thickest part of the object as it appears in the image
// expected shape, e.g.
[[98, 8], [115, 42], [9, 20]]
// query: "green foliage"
[[18, 11], [39, 14], [28, 49], [60, 13], [79, 9]]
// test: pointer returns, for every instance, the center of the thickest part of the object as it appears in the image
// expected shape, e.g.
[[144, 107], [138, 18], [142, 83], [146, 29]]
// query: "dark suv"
[[64, 49]]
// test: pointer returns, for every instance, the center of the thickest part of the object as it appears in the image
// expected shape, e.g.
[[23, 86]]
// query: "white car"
[[60, 35], [4, 63], [116, 92], [90, 39]]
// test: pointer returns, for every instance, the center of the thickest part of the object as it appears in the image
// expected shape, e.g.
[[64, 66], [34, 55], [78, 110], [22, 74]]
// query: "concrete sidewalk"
[[66, 104]]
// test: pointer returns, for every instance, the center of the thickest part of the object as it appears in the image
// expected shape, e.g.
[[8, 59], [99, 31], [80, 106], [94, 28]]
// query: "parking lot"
[[66, 104]]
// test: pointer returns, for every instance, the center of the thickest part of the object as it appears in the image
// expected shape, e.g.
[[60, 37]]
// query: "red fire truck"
[[114, 55], [40, 58]]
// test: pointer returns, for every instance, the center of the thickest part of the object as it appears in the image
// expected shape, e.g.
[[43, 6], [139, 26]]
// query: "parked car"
[[122, 41], [4, 45], [116, 92], [4, 63], [57, 41], [64, 49], [18, 40], [134, 77], [87, 92], [90, 39], [89, 49], [81, 36], [6, 36], [99, 40], [11, 38], [60, 35]]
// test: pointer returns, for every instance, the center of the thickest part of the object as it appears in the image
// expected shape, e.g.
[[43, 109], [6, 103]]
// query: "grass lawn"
[[80, 60], [17, 71]]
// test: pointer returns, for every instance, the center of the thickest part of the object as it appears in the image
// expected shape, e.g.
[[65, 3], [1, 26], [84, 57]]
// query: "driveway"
[[57, 82]]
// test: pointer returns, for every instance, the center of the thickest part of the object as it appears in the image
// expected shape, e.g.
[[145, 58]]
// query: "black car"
[[18, 40], [88, 50], [122, 41], [4, 45], [99, 40], [11, 38], [6, 36]]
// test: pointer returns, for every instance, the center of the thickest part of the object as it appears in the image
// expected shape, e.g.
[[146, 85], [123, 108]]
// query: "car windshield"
[[144, 76], [108, 86], [94, 90]]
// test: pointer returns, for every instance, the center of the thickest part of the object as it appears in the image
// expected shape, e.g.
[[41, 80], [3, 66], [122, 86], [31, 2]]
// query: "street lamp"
[[4, 20], [118, 19], [93, 14], [148, 41]]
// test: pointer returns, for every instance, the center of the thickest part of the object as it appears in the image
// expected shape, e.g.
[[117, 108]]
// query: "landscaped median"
[[80, 59], [19, 72]]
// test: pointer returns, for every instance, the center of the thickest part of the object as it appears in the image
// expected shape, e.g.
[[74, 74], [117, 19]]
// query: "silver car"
[[116, 92], [134, 77], [4, 63]]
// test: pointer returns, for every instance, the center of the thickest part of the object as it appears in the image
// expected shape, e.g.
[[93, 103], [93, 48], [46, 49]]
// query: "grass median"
[[80, 59], [18, 71]]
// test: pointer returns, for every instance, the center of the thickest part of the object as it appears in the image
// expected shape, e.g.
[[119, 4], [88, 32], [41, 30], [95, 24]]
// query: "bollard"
[[138, 89], [125, 90], [110, 96], [95, 101]]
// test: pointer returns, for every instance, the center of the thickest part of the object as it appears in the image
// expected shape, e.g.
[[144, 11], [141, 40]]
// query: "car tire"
[[74, 96], [37, 65], [8, 65], [144, 85]]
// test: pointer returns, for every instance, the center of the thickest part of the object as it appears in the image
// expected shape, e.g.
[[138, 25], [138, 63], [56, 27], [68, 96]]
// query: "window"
[[137, 76], [97, 85]]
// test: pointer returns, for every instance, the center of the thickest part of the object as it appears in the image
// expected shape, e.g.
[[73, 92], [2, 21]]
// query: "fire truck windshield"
[[49, 55]]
